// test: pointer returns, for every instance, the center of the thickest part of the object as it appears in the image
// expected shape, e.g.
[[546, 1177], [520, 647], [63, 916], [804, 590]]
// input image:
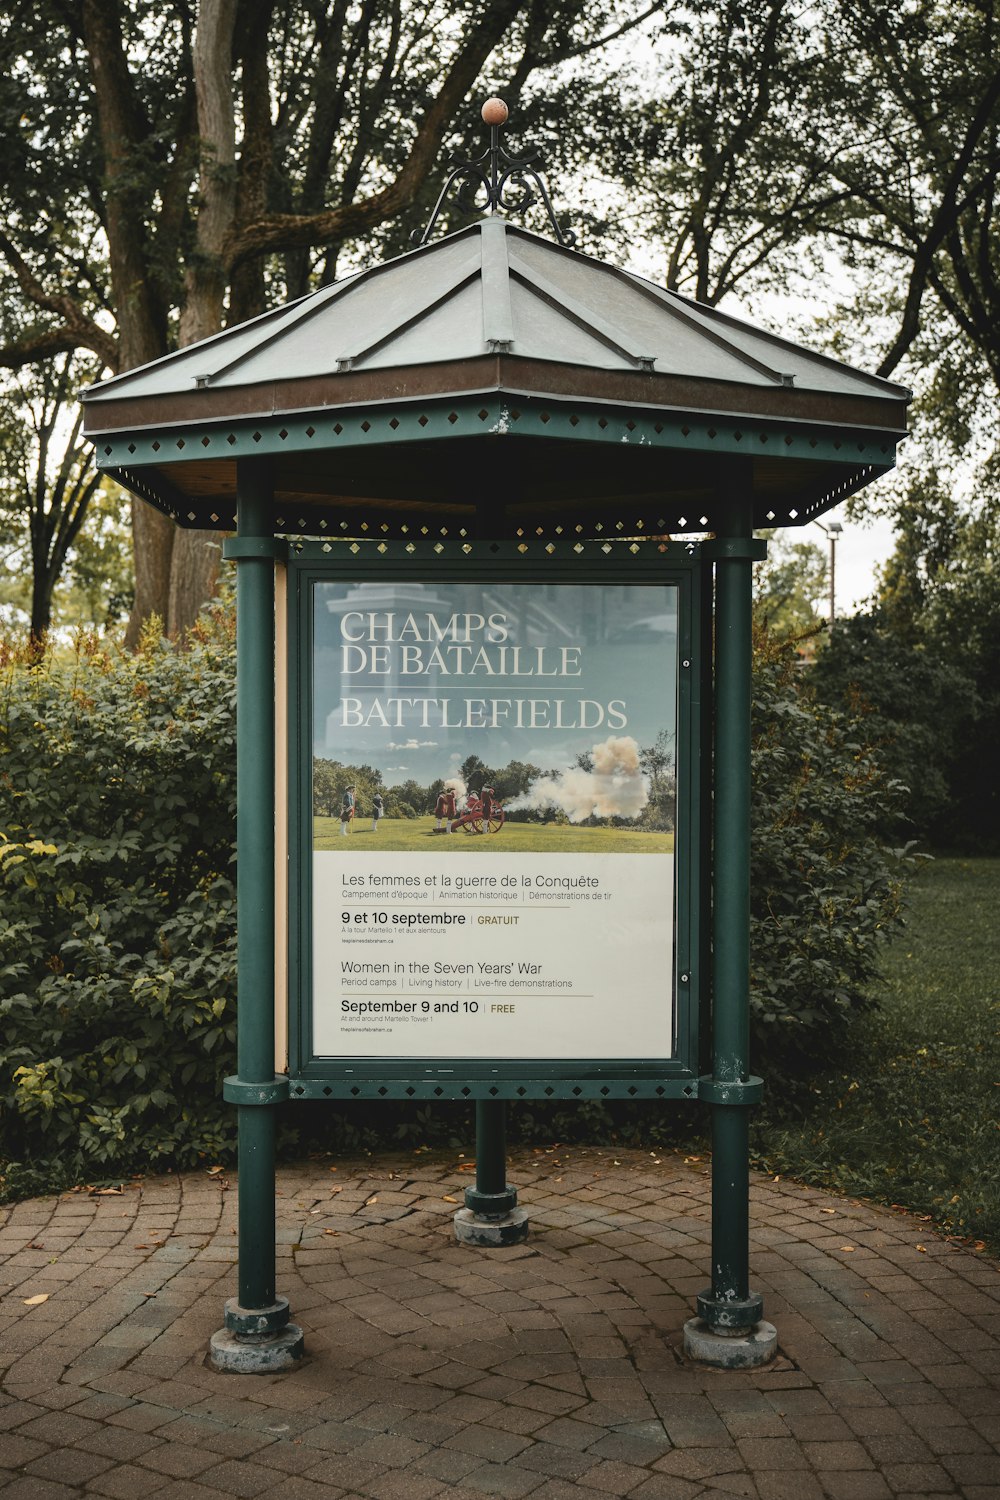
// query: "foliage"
[[723, 177], [47, 479], [789, 587], [330, 781], [167, 170], [924, 663], [782, 142], [825, 894], [909, 1118], [95, 584], [117, 943], [914, 156], [916, 708], [410, 799], [98, 585], [659, 768]]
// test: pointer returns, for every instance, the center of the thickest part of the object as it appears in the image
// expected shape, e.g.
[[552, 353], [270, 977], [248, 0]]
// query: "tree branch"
[[77, 331], [946, 217], [292, 231], [564, 54]]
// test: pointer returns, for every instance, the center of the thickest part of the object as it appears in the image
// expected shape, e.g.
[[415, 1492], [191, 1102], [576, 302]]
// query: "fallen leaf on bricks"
[[371, 1200], [847, 1249], [34, 1301], [448, 1198]]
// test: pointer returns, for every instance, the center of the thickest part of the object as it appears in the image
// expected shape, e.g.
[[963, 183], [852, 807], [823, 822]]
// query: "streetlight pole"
[[833, 531]]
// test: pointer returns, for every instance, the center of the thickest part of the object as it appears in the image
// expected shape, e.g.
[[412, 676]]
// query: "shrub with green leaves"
[[825, 893], [117, 927]]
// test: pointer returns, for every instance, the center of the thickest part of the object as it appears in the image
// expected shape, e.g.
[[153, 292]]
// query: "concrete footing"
[[238, 1354], [476, 1229], [741, 1351]]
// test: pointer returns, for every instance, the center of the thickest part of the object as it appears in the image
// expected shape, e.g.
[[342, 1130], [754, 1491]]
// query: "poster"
[[494, 810]]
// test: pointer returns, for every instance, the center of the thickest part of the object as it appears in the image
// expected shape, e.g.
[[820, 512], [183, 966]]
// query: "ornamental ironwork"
[[497, 181]]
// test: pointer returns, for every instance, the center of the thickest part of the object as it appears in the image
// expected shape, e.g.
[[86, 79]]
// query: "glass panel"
[[494, 808]]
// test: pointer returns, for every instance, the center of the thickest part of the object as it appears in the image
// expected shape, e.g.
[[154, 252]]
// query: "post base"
[[476, 1229], [491, 1205], [721, 1351], [256, 1322], [235, 1354], [730, 1316]]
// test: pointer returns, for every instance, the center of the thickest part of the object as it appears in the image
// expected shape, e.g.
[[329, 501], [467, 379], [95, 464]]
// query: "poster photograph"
[[493, 817]]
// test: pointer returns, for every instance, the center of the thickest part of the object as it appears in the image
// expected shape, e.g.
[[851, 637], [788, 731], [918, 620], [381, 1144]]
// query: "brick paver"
[[553, 1370]]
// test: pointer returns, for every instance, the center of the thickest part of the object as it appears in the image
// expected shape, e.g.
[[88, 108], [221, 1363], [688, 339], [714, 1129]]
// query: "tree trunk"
[[194, 575], [42, 585], [153, 537], [176, 570]]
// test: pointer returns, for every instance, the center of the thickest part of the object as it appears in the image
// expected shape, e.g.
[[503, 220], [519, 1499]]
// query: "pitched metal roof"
[[493, 288], [491, 312]]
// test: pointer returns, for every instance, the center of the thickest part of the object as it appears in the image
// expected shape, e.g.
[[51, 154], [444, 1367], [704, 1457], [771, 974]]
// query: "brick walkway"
[[550, 1369]]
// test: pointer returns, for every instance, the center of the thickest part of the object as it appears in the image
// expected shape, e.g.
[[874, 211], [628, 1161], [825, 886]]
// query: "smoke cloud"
[[615, 787], [458, 786]]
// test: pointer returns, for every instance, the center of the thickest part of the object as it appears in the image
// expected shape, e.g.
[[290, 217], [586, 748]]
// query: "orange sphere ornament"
[[495, 112]]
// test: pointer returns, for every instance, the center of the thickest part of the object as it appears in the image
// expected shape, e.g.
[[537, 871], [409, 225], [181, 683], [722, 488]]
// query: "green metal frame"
[[639, 563], [478, 412], [137, 457]]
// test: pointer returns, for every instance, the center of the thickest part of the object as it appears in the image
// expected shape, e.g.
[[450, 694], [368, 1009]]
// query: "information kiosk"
[[494, 505]]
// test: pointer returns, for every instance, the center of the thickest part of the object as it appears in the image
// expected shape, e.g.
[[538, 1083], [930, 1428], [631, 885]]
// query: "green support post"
[[257, 1336], [491, 1215], [729, 1331]]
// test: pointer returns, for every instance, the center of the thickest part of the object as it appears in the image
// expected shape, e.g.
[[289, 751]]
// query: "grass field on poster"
[[417, 836]]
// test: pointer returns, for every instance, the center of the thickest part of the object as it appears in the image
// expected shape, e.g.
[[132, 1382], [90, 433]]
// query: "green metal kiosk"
[[495, 501]]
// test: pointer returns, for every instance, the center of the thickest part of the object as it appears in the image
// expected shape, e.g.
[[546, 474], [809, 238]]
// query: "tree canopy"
[[169, 170], [923, 663]]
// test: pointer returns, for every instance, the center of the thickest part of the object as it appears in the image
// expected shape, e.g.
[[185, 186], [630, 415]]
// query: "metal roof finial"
[[496, 172]]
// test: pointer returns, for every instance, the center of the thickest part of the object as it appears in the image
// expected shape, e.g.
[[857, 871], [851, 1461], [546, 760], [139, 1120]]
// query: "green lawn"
[[915, 1120], [417, 835]]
